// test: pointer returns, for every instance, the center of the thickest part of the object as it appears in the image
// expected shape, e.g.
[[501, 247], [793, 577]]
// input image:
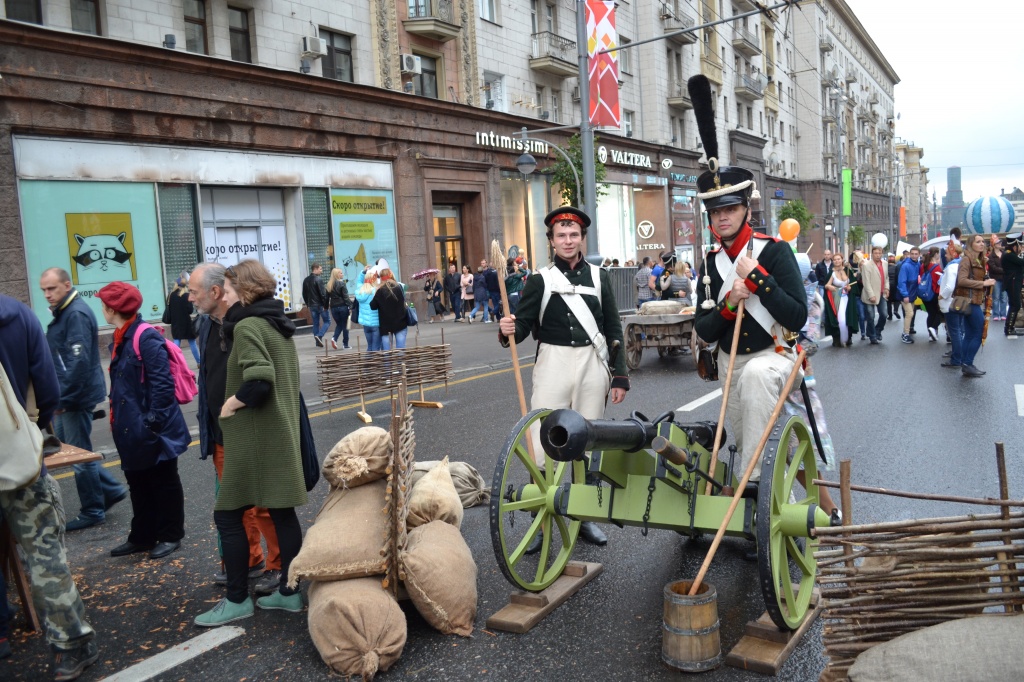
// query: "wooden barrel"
[[690, 639]]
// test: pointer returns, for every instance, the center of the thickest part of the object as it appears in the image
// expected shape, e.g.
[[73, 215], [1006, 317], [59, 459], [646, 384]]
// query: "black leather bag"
[[310, 461]]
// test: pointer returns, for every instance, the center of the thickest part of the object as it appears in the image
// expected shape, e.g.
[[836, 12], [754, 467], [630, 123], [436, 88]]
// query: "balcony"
[[433, 19], [851, 76], [679, 96], [771, 98], [865, 140], [825, 44], [744, 5], [828, 152], [678, 22], [711, 66], [828, 116], [554, 54], [745, 42], [749, 87]]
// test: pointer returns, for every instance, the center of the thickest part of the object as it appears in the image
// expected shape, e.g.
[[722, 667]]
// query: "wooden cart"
[[664, 332]]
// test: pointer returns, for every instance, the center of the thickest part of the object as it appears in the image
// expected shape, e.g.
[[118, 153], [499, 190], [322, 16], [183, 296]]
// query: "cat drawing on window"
[[102, 258]]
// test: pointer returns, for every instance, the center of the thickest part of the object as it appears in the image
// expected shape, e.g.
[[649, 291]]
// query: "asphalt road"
[[904, 422]]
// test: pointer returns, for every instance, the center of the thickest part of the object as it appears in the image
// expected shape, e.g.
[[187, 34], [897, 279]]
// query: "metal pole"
[[588, 199], [840, 115]]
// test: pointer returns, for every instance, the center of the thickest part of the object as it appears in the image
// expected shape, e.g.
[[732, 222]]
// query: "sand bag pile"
[[469, 484]]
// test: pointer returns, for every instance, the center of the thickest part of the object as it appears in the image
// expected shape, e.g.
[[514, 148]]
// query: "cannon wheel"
[[512, 530], [786, 564], [634, 346], [694, 347]]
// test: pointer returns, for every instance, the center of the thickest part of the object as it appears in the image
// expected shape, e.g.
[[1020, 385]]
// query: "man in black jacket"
[[73, 339], [822, 271], [314, 295], [453, 287]]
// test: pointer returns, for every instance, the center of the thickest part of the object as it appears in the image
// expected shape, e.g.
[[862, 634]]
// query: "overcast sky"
[[960, 95]]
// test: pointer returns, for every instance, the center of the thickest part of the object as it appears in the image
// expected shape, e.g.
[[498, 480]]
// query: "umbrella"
[[423, 273]]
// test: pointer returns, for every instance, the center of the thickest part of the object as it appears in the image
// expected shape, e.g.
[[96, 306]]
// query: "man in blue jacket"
[[32, 512], [74, 344], [910, 271]]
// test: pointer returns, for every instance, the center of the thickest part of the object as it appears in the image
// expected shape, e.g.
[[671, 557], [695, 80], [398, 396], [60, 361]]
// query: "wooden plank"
[[768, 655], [365, 418], [520, 618], [426, 403], [10, 565], [69, 455]]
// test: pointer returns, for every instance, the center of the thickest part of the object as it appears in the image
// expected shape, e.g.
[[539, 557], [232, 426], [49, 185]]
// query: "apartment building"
[[912, 187], [341, 132]]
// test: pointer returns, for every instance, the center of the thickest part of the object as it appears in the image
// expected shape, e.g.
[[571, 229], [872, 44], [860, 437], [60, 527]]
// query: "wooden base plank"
[[365, 418], [527, 609], [426, 403], [764, 648]]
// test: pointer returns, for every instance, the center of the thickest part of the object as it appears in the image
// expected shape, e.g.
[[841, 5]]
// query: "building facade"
[[953, 205], [913, 188]]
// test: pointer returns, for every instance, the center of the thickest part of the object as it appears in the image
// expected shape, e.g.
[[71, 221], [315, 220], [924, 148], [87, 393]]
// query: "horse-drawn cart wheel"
[[634, 346], [523, 497], [785, 555], [694, 348]]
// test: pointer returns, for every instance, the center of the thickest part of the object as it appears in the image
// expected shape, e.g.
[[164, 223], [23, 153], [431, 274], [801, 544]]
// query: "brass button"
[[745, 334], [748, 350], [767, 289]]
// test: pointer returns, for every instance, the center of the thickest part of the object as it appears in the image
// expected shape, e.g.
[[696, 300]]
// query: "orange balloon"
[[789, 229]]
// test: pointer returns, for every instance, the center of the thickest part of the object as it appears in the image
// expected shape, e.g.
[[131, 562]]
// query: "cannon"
[[558, 469]]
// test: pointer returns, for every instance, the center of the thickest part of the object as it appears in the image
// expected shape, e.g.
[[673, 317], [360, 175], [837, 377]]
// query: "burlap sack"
[[356, 625], [469, 484], [661, 307], [434, 498], [440, 576], [360, 457], [347, 538]]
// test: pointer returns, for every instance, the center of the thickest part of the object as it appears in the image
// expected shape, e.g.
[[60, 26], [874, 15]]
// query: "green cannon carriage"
[[653, 474]]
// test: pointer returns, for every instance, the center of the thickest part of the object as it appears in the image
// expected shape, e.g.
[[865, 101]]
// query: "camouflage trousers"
[[35, 516]]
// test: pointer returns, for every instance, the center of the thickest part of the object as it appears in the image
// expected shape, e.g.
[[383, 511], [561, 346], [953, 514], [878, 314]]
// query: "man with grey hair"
[[206, 291], [73, 338]]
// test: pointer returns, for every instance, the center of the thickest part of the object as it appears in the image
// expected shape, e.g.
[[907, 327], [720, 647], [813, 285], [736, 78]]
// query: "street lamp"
[[840, 98], [527, 164]]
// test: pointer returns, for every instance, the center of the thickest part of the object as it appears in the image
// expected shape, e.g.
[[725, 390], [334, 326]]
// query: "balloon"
[[879, 240], [789, 229]]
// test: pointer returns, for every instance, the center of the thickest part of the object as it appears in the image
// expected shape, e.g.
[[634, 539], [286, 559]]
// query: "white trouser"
[[757, 383], [566, 376]]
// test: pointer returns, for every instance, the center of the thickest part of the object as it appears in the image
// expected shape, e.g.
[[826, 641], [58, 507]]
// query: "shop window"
[[337, 63], [238, 28], [195, 26], [85, 16], [425, 82], [316, 217], [30, 11], [178, 230]]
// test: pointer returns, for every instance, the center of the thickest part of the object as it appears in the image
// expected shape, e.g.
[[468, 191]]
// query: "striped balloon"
[[991, 215]]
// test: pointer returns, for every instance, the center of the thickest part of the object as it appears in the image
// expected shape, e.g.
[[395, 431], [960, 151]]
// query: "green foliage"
[[856, 237], [561, 173], [798, 211]]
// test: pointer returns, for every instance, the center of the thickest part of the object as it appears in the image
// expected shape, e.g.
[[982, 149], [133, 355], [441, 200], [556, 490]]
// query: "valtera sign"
[[623, 158]]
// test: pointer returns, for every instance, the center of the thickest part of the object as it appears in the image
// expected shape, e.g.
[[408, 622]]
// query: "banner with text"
[[364, 230], [603, 68]]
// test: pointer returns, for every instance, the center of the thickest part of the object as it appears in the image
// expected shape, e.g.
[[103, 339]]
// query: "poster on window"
[[364, 230], [228, 245], [98, 232]]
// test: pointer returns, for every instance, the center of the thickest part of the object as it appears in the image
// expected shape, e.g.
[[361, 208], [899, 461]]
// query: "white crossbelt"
[[555, 282], [753, 305]]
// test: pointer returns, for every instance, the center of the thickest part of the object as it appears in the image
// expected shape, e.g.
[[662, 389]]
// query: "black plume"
[[704, 110]]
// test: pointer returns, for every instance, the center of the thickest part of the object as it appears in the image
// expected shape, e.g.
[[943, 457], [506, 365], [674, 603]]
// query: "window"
[[750, 118], [625, 63], [425, 82], [238, 27], [337, 63], [739, 115], [24, 10], [494, 91], [627, 123], [550, 18], [85, 16], [538, 100], [195, 26], [488, 10], [782, 131], [725, 108], [556, 106]]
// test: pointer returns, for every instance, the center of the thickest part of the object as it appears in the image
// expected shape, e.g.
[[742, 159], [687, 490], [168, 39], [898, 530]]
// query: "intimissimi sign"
[[510, 143]]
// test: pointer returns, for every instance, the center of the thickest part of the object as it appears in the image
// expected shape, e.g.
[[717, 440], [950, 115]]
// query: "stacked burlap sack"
[[354, 620]]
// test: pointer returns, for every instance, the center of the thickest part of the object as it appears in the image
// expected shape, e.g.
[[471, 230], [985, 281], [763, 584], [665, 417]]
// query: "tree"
[[856, 237], [798, 211], [562, 174]]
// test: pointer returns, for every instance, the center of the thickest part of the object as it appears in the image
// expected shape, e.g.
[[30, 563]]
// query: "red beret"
[[121, 297]]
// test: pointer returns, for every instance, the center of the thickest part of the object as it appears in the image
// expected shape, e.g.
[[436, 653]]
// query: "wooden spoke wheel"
[[694, 347], [785, 555], [634, 346], [523, 497]]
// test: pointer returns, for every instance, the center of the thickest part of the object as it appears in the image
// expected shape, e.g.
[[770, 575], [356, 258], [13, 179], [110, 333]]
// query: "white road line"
[[707, 399], [1019, 389], [173, 657]]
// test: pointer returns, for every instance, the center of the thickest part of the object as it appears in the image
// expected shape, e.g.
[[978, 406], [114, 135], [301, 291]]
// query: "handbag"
[[166, 319], [310, 462], [961, 305], [22, 439], [410, 316]]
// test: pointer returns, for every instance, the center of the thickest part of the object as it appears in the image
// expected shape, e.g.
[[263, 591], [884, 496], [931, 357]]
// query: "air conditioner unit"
[[576, 94], [411, 63], [313, 46]]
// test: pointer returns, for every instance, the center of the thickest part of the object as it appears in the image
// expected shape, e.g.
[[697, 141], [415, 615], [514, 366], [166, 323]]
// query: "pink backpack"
[[185, 389]]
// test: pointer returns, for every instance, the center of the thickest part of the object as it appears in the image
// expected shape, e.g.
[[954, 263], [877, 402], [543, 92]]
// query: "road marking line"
[[700, 401], [177, 655], [1019, 389]]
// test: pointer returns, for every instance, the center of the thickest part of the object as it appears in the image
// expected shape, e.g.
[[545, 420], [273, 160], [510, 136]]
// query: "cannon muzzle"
[[566, 434]]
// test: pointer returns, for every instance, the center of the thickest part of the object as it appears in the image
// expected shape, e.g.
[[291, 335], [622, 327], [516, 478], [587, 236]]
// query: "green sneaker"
[[291, 603], [226, 611]]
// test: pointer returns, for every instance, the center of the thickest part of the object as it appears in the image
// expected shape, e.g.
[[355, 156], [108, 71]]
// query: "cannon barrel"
[[566, 434]]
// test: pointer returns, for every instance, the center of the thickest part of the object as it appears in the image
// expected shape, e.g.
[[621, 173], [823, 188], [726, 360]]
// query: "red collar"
[[744, 236]]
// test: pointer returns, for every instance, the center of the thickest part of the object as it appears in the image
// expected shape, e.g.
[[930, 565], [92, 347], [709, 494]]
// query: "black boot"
[[534, 546], [1010, 328], [590, 532]]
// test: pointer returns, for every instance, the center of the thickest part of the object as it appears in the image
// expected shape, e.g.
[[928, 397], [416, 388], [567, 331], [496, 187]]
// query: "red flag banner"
[[603, 68]]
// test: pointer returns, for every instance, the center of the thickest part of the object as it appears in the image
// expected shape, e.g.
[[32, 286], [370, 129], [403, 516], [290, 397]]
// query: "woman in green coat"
[[260, 424]]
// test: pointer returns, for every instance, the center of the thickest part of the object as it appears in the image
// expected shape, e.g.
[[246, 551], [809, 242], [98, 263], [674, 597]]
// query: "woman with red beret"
[[149, 429]]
